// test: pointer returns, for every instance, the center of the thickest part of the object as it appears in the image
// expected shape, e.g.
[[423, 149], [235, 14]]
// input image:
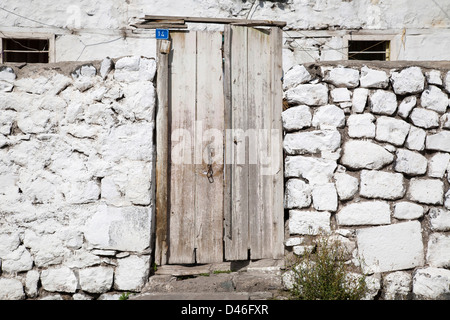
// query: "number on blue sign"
[[162, 34]]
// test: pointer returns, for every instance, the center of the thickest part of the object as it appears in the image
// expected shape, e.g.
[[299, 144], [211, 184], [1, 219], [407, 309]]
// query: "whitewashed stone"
[[431, 283], [147, 69], [409, 80], [31, 283], [81, 296], [295, 76], [96, 279], [7, 74], [424, 118], [346, 185], [382, 102], [439, 219], [324, 197], [309, 222], [361, 125], [435, 99], [8, 243], [340, 95], [78, 259], [393, 247], [311, 142], [342, 77], [6, 86], [364, 213], [445, 120], [439, 141], [410, 162], [359, 100], [60, 279], [124, 229], [397, 286], [309, 94], [11, 289], [434, 77], [408, 210], [17, 261], [296, 118], [132, 273], [416, 139], [106, 66], [371, 78], [293, 241], [428, 191], [447, 200], [297, 194], [47, 249], [438, 253], [406, 106], [328, 116], [314, 170], [392, 130], [365, 155], [438, 165], [382, 185], [447, 82]]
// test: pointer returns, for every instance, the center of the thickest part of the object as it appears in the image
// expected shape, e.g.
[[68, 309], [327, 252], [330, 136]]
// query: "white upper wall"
[[91, 29]]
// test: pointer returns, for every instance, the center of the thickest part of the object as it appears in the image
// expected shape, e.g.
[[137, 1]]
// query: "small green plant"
[[221, 271], [125, 296], [322, 274]]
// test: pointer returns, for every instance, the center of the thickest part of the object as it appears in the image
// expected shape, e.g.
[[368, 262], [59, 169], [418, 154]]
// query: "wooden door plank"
[[259, 102], [209, 149], [277, 142], [162, 152], [182, 175], [236, 248]]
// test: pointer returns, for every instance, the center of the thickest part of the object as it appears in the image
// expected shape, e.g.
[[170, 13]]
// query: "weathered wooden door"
[[224, 141]]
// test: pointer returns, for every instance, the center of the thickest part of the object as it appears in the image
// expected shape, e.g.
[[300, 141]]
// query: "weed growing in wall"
[[322, 274]]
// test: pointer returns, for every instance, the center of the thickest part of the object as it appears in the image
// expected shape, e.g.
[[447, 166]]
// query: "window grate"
[[368, 50], [25, 50]]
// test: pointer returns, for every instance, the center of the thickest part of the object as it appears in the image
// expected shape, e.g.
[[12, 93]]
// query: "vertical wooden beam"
[[162, 152]]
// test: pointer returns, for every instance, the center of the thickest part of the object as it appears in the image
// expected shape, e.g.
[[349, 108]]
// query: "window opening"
[[368, 50], [25, 50]]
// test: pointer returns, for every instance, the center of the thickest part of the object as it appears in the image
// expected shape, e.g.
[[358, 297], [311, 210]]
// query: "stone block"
[[18, 260], [346, 185], [341, 77], [119, 228], [11, 289], [312, 142], [7, 74], [329, 116], [359, 100], [397, 286], [364, 213], [297, 194], [132, 273], [96, 279], [435, 99], [382, 102], [416, 139], [410, 162], [409, 80], [408, 210], [295, 76], [431, 283], [434, 77], [424, 118], [60, 279], [31, 283], [309, 222], [438, 165], [392, 130], [314, 170], [371, 78], [382, 185], [392, 247], [309, 94], [296, 118], [438, 142], [406, 106], [428, 191], [365, 155], [439, 219], [361, 125], [438, 253], [447, 82], [324, 197], [340, 95]]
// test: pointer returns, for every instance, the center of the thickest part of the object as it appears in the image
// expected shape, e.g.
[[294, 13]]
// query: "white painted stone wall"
[[76, 186], [378, 159]]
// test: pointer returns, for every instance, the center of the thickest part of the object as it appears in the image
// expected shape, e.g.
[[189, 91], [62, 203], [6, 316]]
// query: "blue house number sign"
[[162, 34]]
